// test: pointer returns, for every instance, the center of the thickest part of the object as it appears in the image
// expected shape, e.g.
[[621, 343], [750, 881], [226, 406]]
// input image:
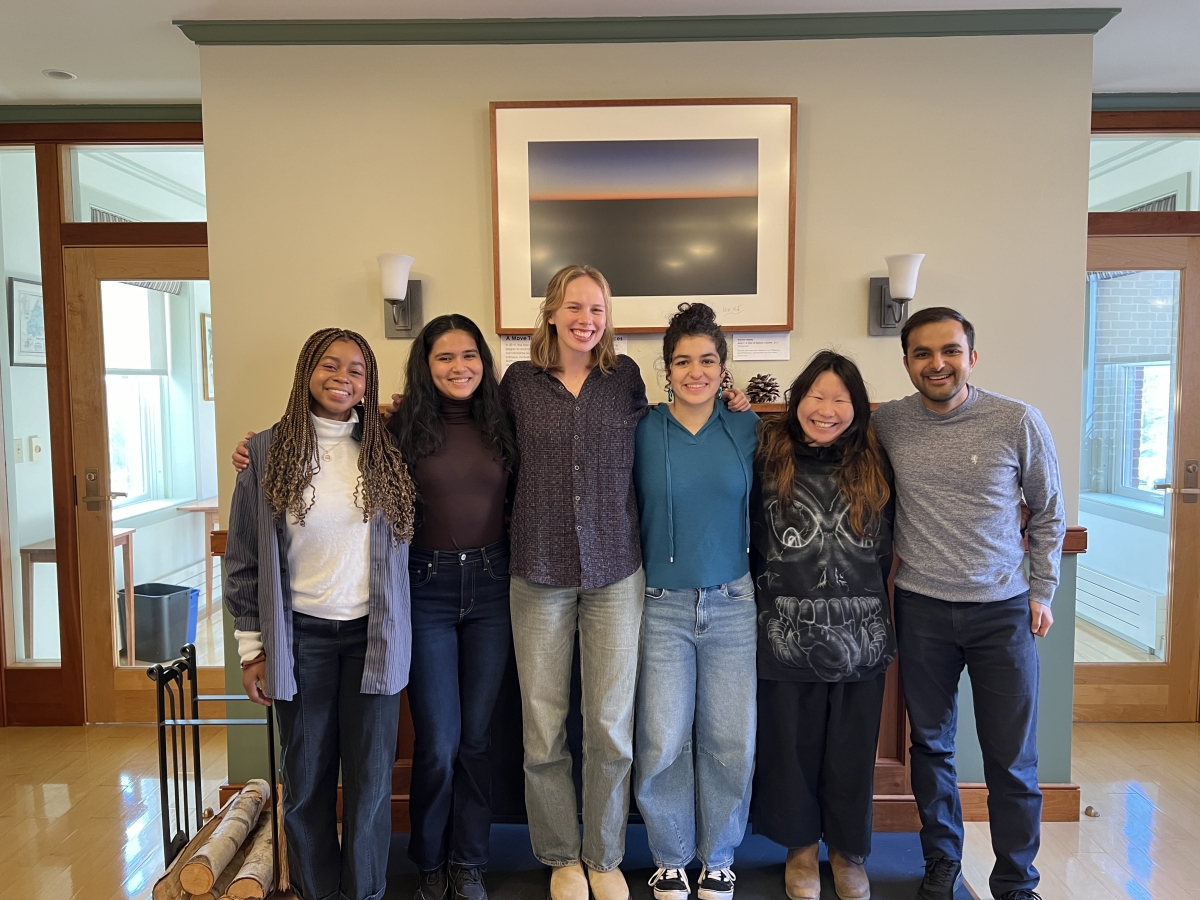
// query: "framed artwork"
[[206, 357], [673, 200], [26, 323]]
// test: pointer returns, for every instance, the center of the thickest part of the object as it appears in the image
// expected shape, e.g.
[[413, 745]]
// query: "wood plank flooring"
[[1145, 782], [79, 815]]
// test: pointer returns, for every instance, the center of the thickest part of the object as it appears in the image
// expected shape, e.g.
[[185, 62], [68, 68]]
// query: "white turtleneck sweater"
[[329, 557]]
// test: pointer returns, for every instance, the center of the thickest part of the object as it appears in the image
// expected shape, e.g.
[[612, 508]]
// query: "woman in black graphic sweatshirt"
[[821, 551]]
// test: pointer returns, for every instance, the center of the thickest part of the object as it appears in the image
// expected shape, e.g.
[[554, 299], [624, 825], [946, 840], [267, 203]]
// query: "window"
[[1144, 173], [1143, 446], [136, 362], [135, 183]]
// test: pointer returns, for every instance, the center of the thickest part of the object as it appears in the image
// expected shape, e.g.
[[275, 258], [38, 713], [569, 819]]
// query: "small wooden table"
[[44, 552], [209, 508]]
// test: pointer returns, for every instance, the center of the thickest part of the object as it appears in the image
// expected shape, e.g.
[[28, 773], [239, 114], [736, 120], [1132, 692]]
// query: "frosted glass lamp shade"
[[902, 275], [393, 270]]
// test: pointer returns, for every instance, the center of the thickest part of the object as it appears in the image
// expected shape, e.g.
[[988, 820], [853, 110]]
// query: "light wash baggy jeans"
[[698, 668], [544, 620]]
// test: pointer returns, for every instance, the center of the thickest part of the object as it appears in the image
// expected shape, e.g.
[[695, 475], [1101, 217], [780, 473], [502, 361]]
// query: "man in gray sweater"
[[964, 459]]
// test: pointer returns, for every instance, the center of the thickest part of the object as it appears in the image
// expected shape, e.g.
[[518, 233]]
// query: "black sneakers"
[[1021, 894], [432, 885], [942, 878], [715, 884], [670, 884], [468, 883]]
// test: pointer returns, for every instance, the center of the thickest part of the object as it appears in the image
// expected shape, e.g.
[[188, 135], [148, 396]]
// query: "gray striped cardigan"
[[258, 588]]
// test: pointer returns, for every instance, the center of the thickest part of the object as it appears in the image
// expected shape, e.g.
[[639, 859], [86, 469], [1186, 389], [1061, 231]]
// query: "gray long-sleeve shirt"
[[959, 482]]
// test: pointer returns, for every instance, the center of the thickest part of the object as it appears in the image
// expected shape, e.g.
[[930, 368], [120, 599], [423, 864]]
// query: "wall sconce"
[[887, 305], [401, 297]]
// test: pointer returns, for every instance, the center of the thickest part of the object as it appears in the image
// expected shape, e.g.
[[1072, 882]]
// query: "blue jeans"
[[698, 676], [461, 639], [609, 621], [331, 722], [936, 639]]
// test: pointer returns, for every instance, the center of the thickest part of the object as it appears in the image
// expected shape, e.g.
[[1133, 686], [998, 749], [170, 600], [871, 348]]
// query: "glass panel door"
[[30, 570], [1137, 625], [145, 461], [1128, 436]]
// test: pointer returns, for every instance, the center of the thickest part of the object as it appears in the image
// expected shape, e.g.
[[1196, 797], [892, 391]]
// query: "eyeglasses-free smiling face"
[[826, 411], [695, 373], [939, 362], [455, 365], [580, 320], [338, 382]]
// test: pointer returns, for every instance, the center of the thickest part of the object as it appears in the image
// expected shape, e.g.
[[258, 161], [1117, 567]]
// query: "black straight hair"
[[933, 314], [419, 425]]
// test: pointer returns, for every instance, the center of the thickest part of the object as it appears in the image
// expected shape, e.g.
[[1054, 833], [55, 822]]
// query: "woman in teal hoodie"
[[693, 471]]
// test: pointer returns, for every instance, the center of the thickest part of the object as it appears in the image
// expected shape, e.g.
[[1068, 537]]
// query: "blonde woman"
[[577, 565]]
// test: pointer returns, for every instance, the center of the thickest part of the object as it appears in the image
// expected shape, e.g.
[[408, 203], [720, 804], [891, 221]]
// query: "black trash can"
[[164, 618]]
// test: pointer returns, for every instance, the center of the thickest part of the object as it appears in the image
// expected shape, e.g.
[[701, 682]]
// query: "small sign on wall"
[[761, 346]]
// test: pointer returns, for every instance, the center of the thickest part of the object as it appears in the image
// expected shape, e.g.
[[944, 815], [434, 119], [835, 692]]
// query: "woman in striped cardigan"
[[317, 580]]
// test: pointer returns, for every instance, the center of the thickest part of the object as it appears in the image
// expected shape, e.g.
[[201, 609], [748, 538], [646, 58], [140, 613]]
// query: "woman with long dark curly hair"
[[454, 434], [323, 514], [821, 553]]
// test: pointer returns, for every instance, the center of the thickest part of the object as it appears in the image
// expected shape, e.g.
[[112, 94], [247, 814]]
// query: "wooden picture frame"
[[673, 200], [26, 323], [206, 357]]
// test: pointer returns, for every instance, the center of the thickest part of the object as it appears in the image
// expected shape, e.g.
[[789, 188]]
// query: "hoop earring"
[[670, 394]]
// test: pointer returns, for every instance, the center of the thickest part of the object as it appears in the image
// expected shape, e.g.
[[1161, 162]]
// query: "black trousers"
[[815, 771]]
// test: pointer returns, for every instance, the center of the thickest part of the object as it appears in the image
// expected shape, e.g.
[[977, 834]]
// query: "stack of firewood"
[[236, 860]]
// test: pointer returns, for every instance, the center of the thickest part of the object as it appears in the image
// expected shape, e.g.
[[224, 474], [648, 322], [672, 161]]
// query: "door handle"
[[1166, 488], [115, 494]]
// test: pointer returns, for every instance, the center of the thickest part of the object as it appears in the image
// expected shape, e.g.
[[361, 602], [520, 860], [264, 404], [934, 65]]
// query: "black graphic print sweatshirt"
[[821, 590]]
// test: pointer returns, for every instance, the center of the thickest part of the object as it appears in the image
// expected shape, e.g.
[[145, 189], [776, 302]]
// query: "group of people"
[[726, 579]]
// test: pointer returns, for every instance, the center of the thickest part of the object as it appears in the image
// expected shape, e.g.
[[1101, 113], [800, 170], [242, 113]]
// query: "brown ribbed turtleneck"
[[462, 487]]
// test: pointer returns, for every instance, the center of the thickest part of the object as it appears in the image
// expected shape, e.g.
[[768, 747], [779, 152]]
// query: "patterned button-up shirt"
[[575, 520]]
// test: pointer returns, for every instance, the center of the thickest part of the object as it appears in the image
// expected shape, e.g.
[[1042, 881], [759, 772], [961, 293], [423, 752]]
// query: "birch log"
[[285, 879], [200, 874], [256, 879], [221, 885]]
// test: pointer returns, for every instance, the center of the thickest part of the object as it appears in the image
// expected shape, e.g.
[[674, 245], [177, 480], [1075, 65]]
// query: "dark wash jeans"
[[937, 638], [462, 635], [331, 722]]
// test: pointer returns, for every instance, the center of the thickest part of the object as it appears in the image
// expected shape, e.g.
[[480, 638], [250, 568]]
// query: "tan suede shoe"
[[849, 877], [568, 883], [610, 885], [802, 874]]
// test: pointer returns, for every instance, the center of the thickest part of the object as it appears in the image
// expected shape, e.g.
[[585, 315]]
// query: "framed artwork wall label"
[[206, 356], [673, 200], [26, 323]]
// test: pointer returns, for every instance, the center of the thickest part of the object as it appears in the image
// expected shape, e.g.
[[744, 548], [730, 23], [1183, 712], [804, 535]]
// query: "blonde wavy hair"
[[543, 348]]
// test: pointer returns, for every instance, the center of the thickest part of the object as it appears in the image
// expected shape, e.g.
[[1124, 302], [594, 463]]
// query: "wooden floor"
[[1094, 644], [79, 815], [79, 810]]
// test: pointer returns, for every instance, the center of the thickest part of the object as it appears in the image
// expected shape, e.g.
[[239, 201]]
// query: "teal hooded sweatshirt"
[[693, 493]]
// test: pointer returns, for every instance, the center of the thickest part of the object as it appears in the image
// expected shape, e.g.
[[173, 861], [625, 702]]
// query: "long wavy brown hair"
[[543, 347], [384, 484], [861, 476]]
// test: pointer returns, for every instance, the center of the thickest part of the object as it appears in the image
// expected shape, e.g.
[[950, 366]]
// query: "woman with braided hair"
[[317, 580]]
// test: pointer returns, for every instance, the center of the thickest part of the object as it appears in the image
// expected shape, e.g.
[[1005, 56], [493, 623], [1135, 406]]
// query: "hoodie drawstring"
[[670, 492], [746, 474]]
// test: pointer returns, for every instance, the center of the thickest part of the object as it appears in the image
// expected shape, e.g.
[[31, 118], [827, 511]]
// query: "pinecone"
[[763, 389], [727, 381]]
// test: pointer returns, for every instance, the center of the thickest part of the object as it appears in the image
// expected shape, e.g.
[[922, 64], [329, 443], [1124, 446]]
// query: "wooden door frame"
[[1128, 692], [112, 694], [1173, 226], [43, 694]]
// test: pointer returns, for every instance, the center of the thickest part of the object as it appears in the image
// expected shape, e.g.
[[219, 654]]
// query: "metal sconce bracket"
[[402, 318], [885, 317]]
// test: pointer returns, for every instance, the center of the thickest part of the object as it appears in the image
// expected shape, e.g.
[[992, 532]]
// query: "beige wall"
[[971, 150]]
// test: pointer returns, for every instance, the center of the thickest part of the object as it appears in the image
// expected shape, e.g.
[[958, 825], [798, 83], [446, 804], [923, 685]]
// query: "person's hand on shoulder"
[[393, 408], [241, 453], [736, 400]]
